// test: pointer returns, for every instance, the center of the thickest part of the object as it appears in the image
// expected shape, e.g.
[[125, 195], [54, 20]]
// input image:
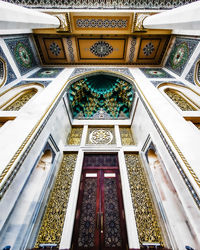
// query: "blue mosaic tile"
[[155, 73], [181, 52], [22, 53], [157, 83], [190, 76], [10, 73], [44, 83], [47, 73], [78, 71]]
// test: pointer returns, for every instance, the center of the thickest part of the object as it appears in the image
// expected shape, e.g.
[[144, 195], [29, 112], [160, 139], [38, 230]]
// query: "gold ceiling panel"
[[151, 49], [101, 23], [137, 50], [100, 50]]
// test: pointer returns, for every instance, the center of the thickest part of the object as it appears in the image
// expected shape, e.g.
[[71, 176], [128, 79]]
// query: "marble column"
[[183, 18]]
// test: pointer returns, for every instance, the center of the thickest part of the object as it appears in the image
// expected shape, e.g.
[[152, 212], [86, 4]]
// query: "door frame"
[[132, 235], [100, 208]]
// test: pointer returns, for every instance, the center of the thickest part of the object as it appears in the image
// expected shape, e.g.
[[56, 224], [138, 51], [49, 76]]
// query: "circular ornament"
[[156, 73], [101, 49], [55, 49], [23, 55], [47, 73], [101, 136], [180, 55], [148, 49]]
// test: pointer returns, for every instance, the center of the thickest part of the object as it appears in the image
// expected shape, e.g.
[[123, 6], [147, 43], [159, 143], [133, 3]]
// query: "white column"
[[117, 136], [182, 18], [16, 17]]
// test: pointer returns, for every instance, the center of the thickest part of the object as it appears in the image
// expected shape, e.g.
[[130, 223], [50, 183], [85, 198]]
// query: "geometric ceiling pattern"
[[101, 93], [106, 4], [101, 38]]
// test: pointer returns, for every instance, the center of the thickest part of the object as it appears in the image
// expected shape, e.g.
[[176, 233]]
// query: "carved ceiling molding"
[[138, 21], [64, 19], [107, 4]]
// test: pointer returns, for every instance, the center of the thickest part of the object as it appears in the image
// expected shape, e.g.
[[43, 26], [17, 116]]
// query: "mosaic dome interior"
[[101, 93]]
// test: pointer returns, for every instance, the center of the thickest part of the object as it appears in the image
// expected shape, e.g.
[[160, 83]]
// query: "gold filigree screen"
[[53, 219], [75, 135], [179, 100], [145, 214], [126, 136], [19, 102]]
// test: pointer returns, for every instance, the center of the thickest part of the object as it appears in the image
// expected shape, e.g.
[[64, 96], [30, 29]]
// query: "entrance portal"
[[100, 222]]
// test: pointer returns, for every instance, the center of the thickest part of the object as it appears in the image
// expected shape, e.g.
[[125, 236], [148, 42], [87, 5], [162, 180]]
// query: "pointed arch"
[[115, 106], [183, 97], [3, 71], [15, 98], [197, 73]]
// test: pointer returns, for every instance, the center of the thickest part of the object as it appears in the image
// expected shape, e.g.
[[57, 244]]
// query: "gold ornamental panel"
[[54, 217], [104, 136], [21, 101], [126, 136], [75, 135], [145, 214], [179, 101]]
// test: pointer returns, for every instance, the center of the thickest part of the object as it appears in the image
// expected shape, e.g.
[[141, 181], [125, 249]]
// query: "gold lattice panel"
[[21, 101], [145, 214], [53, 219], [126, 136], [101, 136], [75, 135], [179, 100]]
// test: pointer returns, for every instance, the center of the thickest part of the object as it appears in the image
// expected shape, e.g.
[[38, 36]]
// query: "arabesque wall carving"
[[126, 136], [53, 220], [101, 136], [145, 214], [179, 100], [21, 101], [75, 135]]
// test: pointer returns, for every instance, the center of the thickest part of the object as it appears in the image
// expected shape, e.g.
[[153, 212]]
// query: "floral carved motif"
[[145, 214], [179, 101], [101, 136], [75, 136], [101, 49], [53, 220]]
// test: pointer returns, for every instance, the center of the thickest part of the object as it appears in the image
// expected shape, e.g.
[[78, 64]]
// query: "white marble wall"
[[179, 211], [14, 202]]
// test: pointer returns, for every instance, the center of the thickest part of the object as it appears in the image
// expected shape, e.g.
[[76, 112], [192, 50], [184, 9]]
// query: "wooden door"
[[100, 222]]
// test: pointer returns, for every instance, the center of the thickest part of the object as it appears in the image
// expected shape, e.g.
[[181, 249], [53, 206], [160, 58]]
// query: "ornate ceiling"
[[101, 38], [101, 96], [106, 4]]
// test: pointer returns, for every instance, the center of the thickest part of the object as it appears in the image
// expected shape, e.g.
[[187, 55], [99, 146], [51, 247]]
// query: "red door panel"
[[100, 223]]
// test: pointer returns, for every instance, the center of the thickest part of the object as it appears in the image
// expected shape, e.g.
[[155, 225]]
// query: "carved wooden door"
[[100, 223]]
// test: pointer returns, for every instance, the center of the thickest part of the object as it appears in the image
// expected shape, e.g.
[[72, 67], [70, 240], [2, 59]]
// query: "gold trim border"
[[5, 72], [195, 73]]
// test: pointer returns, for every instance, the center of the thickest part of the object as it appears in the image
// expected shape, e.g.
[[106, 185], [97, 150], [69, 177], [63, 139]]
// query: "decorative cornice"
[[96, 4]]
